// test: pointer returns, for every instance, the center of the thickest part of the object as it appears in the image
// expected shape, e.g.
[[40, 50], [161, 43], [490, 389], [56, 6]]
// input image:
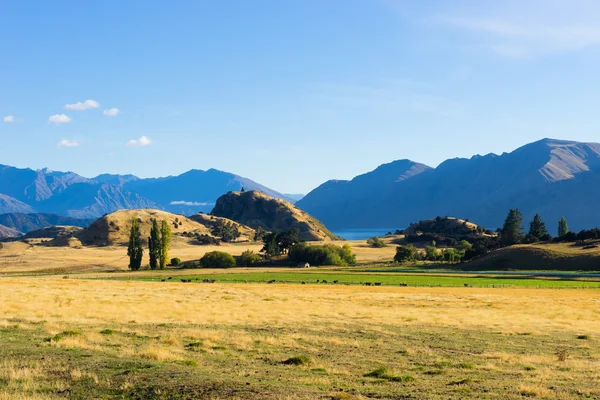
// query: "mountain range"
[[551, 177], [554, 178], [69, 194]]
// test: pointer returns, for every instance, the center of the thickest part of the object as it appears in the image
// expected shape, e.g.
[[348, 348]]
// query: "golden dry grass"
[[506, 310], [454, 342]]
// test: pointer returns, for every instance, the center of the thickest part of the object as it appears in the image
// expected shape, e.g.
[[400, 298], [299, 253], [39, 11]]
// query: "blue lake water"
[[360, 234]]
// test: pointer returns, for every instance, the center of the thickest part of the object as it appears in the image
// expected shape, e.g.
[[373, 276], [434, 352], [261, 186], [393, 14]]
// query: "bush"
[[248, 259], [217, 259], [175, 261], [328, 254], [376, 242], [207, 239], [405, 253]]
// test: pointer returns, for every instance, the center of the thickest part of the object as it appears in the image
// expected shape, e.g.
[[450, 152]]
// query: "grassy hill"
[[114, 228], [247, 233], [551, 256], [444, 226], [257, 210]]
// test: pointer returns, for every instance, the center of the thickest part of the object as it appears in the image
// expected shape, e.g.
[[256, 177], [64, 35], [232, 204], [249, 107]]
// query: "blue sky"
[[290, 93]]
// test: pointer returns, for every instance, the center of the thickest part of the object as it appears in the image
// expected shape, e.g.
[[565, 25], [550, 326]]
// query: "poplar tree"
[[154, 244], [135, 251], [165, 242], [563, 228]]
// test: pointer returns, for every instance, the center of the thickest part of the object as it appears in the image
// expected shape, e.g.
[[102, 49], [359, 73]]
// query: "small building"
[[303, 265]]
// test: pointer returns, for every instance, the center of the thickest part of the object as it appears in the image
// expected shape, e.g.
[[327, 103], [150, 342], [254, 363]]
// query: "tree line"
[[159, 242]]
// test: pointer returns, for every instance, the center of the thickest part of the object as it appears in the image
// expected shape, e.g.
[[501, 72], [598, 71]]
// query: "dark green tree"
[[135, 251], [271, 245], [217, 259], [248, 259], [405, 253], [154, 244], [537, 227], [512, 231], [287, 239], [165, 243], [563, 227], [226, 231]]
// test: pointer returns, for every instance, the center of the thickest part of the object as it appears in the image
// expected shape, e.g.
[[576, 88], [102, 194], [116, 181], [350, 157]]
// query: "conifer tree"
[[165, 242], [512, 231], [135, 251], [537, 227], [563, 228], [154, 244]]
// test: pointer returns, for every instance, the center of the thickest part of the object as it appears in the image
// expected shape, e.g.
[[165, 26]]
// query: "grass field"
[[361, 278], [106, 332], [136, 340]]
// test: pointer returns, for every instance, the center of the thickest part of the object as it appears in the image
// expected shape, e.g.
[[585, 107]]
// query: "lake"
[[362, 233]]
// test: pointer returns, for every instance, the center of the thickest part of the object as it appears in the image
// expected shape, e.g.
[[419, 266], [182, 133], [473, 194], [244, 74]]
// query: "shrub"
[[207, 239], [431, 253], [376, 242], [248, 258], [328, 254], [175, 261], [298, 360], [217, 259], [405, 253]]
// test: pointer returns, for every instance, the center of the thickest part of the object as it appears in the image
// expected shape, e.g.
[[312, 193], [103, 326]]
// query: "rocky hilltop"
[[257, 210]]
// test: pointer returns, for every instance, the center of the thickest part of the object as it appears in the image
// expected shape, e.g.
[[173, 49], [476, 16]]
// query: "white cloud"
[[191, 203], [141, 142], [79, 106], [68, 143], [9, 118], [59, 119], [111, 112]]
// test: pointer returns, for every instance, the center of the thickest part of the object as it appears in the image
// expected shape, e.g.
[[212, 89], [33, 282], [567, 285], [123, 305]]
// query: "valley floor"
[[81, 338]]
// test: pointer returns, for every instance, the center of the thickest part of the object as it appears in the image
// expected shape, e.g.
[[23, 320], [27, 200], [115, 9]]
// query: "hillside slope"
[[552, 177], [257, 210], [209, 221], [549, 257], [113, 229], [6, 232]]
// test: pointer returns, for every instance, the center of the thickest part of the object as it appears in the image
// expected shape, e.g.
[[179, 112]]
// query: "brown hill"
[[545, 256], [113, 229], [52, 232], [257, 210], [444, 226], [247, 233]]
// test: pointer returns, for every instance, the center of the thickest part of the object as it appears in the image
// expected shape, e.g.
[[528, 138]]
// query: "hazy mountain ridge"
[[25, 223], [552, 177], [29, 191]]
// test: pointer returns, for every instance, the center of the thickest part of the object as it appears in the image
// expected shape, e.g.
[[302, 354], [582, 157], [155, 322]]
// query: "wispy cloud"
[[65, 143], [9, 119], [111, 112], [59, 119], [81, 106], [524, 29], [141, 142], [191, 203]]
